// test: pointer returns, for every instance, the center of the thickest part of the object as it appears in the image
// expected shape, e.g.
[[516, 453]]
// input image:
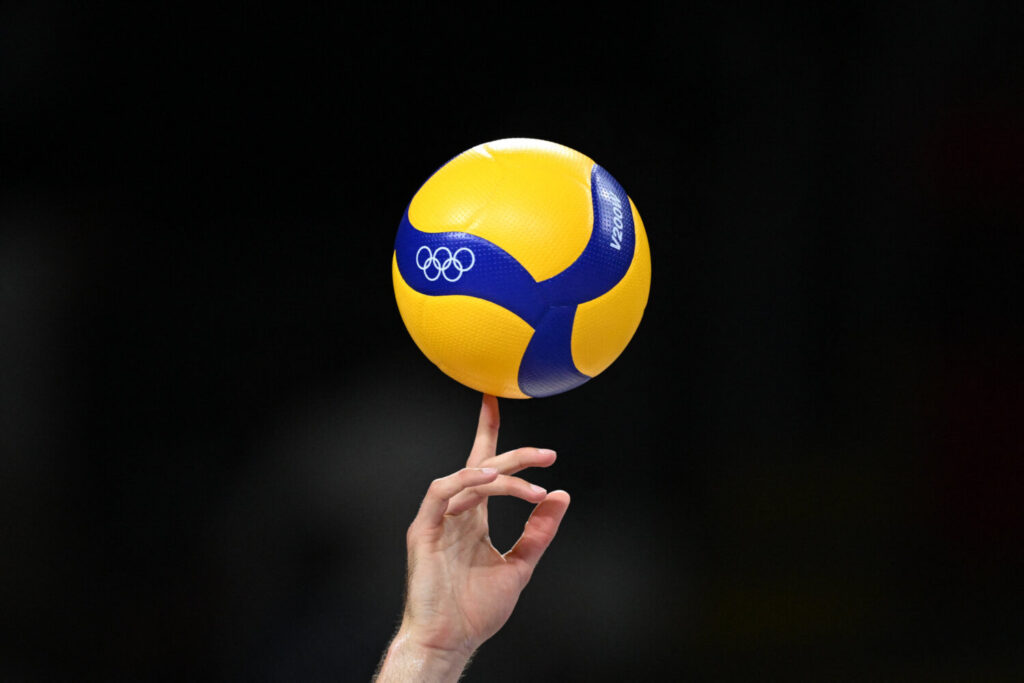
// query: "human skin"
[[460, 589]]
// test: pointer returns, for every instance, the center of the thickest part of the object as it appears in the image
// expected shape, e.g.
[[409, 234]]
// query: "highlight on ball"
[[521, 268]]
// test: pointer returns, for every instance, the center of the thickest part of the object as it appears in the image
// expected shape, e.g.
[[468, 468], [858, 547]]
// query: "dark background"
[[215, 428]]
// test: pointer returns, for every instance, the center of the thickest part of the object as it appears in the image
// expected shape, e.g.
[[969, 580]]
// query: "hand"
[[461, 590]]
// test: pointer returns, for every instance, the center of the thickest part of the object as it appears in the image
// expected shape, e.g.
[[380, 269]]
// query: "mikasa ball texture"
[[521, 268]]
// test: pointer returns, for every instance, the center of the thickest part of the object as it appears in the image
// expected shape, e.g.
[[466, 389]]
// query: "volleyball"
[[521, 268]]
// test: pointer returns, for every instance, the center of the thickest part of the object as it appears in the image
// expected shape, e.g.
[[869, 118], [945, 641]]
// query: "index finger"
[[485, 445]]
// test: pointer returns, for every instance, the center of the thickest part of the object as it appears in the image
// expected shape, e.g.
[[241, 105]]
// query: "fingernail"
[[545, 451], [537, 490], [488, 470]]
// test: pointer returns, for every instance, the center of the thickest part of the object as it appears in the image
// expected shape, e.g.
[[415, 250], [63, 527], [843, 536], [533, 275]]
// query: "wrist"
[[409, 658]]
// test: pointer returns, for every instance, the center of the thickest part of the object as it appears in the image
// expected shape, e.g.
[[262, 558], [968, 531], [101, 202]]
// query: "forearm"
[[406, 661]]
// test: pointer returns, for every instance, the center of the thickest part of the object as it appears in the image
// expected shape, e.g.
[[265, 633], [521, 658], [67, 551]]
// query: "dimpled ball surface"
[[521, 268]]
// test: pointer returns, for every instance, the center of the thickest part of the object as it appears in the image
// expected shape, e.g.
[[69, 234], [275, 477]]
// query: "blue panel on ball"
[[547, 366], [608, 254], [442, 263]]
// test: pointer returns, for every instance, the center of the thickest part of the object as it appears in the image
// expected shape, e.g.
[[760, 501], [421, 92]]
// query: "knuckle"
[[510, 461]]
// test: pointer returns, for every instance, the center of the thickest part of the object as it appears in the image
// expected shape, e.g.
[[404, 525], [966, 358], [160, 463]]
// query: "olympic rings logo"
[[442, 262]]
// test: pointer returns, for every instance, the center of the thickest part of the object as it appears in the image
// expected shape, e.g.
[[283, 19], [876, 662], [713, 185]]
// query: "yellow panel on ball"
[[473, 341], [604, 326], [517, 193]]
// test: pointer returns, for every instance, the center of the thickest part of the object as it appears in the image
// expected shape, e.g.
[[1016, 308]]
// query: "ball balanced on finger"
[[521, 268]]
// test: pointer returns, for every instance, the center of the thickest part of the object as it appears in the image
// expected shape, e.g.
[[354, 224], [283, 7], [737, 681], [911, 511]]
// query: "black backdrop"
[[215, 429]]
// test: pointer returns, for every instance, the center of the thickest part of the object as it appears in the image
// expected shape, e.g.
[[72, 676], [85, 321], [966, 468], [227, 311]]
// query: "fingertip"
[[561, 495]]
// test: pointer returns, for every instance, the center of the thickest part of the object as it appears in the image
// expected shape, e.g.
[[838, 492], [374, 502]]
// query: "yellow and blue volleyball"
[[521, 268]]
